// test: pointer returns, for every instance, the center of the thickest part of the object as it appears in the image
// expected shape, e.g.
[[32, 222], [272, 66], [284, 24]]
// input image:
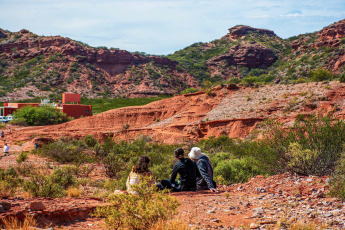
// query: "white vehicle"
[[9, 118], [2, 119]]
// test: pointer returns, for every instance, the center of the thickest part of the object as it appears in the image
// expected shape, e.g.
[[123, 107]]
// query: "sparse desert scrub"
[[338, 179], [53, 185], [9, 181], [29, 223], [141, 211], [323, 136]]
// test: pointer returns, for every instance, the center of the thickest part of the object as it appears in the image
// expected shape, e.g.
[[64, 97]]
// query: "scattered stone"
[[36, 206], [268, 222], [247, 204], [212, 211], [240, 188], [215, 220], [254, 226], [328, 214], [6, 205]]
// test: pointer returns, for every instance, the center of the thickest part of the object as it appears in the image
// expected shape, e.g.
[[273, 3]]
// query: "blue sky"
[[164, 26]]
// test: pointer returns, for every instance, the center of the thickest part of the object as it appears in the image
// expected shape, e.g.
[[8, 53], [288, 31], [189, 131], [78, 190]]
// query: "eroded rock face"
[[247, 55], [111, 61], [117, 72], [332, 34], [2, 34], [239, 31], [328, 36]]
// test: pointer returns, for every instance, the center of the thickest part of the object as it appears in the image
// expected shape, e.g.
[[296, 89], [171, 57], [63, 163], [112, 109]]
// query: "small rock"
[[254, 226], [6, 205], [215, 220], [212, 210], [247, 204], [36, 206], [328, 214], [240, 188]]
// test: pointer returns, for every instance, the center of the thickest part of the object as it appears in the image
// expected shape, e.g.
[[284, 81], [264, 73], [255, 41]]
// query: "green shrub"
[[43, 186], [39, 116], [236, 170], [342, 40], [138, 211], [9, 181], [189, 90], [90, 141], [321, 75], [22, 157], [342, 78], [234, 80], [338, 179], [250, 79], [321, 136], [50, 185], [19, 121], [302, 161], [66, 152], [63, 178]]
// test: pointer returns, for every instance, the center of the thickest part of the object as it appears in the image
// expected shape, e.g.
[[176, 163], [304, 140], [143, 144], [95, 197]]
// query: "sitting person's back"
[[138, 173], [187, 174], [204, 170]]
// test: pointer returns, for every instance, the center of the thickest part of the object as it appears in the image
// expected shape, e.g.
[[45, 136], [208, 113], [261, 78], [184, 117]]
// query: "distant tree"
[[39, 116]]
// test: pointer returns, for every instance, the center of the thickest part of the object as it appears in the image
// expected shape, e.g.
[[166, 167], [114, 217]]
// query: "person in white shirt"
[[6, 148]]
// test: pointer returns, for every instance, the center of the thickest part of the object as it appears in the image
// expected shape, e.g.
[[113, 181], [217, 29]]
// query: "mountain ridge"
[[32, 65]]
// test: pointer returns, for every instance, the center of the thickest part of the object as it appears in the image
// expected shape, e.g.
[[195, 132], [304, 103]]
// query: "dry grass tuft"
[[29, 223], [73, 192], [174, 224]]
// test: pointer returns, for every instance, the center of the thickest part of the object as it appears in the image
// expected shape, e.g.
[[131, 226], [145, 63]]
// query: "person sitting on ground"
[[204, 178], [138, 173], [187, 171], [6, 148]]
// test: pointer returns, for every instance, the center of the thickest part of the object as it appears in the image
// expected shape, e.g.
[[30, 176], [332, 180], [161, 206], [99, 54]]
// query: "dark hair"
[[179, 152], [143, 165]]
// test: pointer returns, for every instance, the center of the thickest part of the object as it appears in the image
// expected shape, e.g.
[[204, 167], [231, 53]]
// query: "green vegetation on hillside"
[[103, 104], [193, 58]]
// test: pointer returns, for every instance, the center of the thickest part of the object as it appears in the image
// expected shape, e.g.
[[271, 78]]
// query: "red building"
[[70, 106], [9, 108], [75, 109]]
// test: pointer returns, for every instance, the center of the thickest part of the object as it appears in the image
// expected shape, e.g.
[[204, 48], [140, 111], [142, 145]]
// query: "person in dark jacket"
[[186, 168], [204, 178]]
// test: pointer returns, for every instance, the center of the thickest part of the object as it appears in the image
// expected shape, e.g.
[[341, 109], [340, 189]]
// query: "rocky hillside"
[[320, 50], [32, 65], [257, 55], [231, 111], [244, 50]]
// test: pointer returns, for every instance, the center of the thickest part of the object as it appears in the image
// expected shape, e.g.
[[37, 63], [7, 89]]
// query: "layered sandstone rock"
[[247, 55], [99, 70], [241, 30]]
